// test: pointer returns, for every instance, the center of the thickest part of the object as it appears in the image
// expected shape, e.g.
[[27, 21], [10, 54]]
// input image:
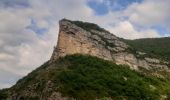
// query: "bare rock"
[[73, 39]]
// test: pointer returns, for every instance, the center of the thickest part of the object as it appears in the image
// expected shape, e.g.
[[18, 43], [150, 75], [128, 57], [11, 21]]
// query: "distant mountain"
[[90, 63], [158, 47]]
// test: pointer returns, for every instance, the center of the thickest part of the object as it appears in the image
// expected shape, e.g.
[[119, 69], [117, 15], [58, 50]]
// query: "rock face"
[[77, 37], [74, 39]]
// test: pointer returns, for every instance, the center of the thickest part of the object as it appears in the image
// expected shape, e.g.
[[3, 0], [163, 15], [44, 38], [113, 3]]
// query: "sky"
[[29, 28]]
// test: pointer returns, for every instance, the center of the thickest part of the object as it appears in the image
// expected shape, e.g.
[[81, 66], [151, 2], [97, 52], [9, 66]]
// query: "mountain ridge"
[[73, 77], [90, 63], [87, 38]]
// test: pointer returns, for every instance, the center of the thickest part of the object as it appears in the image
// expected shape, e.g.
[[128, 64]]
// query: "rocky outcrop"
[[135, 63], [42, 83], [74, 39]]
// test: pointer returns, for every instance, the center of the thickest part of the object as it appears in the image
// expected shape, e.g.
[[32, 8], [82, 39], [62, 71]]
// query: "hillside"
[[158, 47], [84, 77], [90, 63]]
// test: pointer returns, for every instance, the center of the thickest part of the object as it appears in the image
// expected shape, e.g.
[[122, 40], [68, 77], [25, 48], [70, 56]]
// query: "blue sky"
[[102, 8], [29, 28], [14, 3], [39, 30]]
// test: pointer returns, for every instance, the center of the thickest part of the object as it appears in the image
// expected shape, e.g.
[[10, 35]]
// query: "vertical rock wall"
[[74, 39]]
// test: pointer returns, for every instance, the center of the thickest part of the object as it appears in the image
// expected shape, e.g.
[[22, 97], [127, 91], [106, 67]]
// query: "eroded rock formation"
[[74, 39]]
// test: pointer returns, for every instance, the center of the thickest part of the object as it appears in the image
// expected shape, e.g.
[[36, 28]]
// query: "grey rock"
[[74, 39]]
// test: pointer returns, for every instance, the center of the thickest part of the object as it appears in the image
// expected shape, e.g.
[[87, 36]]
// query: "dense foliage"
[[3, 94], [85, 77], [157, 47], [88, 78]]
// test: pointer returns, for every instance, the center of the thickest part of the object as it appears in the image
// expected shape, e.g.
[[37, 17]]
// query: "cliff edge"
[[73, 73], [88, 38]]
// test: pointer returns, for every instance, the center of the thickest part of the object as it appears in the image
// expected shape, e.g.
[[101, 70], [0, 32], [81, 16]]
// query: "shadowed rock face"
[[74, 39]]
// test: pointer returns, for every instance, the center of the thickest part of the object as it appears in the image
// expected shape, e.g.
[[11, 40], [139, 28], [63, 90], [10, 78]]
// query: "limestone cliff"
[[75, 37], [63, 79]]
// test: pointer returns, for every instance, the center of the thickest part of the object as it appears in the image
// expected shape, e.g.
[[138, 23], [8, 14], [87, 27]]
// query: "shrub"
[[90, 78]]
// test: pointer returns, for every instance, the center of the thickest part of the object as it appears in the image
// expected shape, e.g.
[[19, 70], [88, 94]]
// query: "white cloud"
[[3, 85], [22, 49], [150, 12], [4, 56], [138, 20], [126, 30]]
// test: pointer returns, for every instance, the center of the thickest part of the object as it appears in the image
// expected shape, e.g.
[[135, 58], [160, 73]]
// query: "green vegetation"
[[85, 77], [88, 78], [155, 47], [3, 94], [31, 79]]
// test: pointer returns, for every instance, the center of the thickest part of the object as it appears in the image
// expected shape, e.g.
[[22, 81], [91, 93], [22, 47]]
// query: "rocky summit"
[[90, 63], [87, 38]]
